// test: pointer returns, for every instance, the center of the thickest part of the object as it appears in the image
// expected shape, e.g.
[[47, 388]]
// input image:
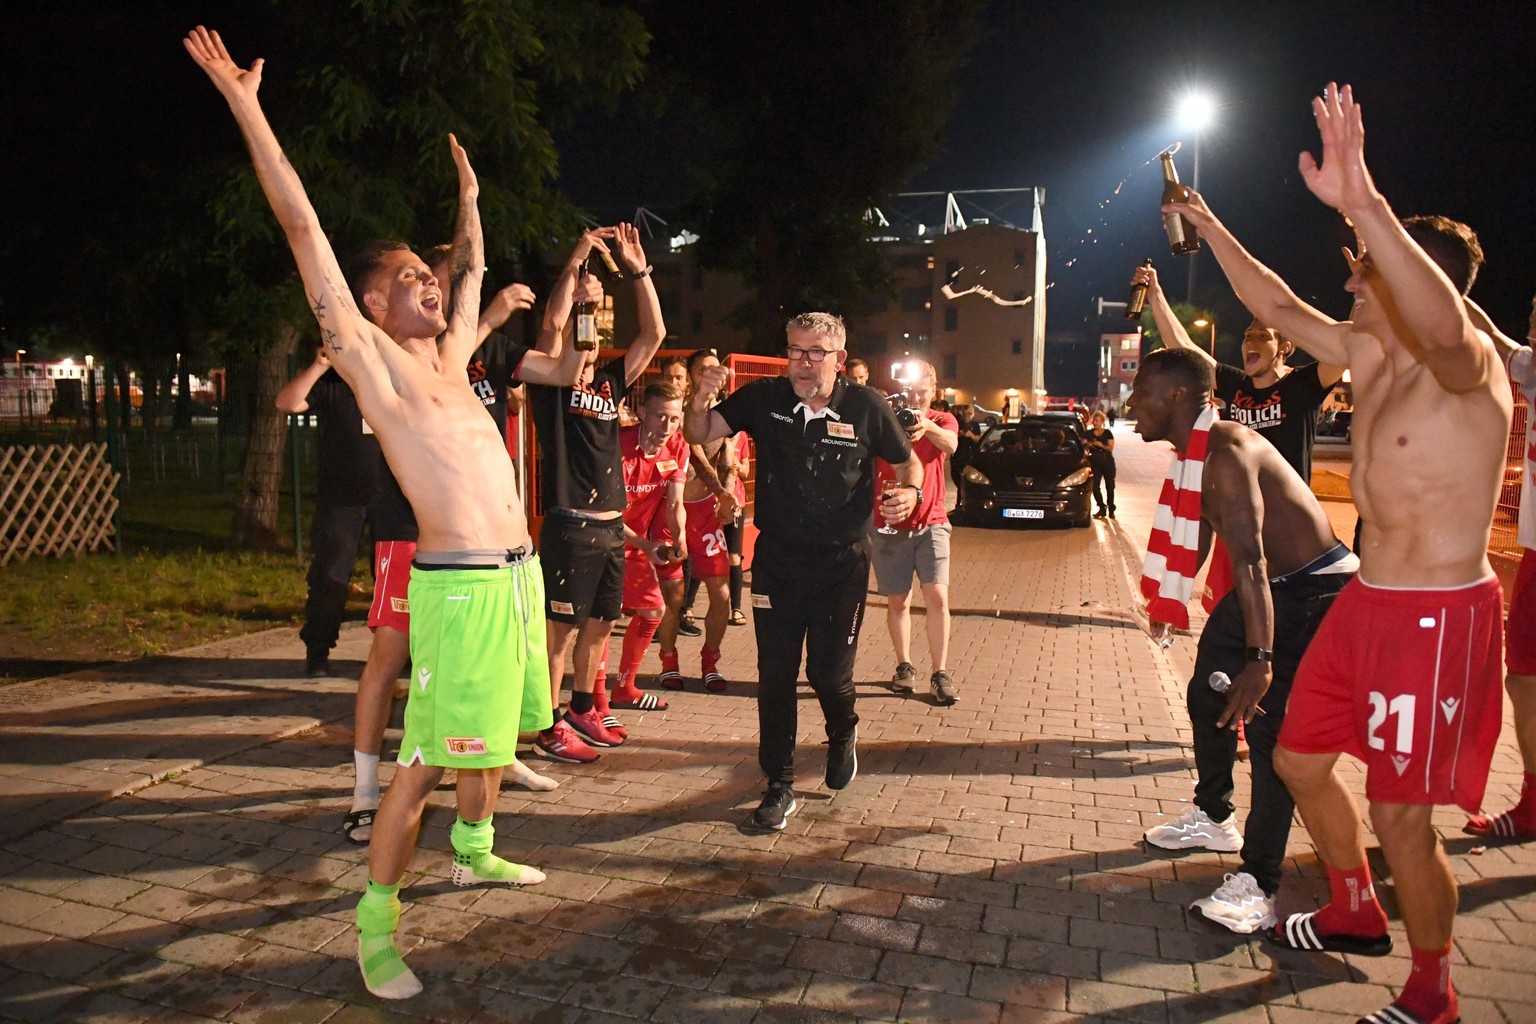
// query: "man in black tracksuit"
[[817, 436]]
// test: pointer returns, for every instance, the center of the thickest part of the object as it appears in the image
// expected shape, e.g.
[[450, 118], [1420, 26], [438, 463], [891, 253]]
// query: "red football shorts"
[[391, 577], [1520, 630], [1411, 683], [706, 540]]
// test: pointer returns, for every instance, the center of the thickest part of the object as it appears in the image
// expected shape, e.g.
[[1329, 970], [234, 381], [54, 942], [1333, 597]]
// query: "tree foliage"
[[170, 245], [811, 120]]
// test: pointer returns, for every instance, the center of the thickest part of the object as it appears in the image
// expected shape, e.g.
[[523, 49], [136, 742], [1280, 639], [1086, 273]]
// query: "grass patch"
[[177, 583]]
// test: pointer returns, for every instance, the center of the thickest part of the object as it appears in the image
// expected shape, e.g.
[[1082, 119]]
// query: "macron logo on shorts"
[[425, 677], [1448, 708], [464, 746]]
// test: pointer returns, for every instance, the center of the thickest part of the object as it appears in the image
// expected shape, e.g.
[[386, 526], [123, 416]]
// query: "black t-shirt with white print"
[[815, 476], [578, 435], [1284, 414]]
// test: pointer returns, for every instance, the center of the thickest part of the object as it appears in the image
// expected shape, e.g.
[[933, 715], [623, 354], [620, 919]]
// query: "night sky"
[[1073, 97], [1078, 97]]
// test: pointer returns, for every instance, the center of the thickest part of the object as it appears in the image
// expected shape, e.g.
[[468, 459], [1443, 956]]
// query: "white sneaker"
[[1238, 904], [1194, 830]]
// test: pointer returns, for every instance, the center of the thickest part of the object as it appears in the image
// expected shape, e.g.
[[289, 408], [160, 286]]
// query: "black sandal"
[[357, 820]]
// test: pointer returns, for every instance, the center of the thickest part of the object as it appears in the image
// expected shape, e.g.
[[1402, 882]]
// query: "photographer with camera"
[[920, 543]]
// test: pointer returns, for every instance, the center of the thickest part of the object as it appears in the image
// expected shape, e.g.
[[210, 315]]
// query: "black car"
[[1030, 470]]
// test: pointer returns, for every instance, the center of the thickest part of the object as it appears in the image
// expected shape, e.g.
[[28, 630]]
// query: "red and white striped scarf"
[[1173, 550]]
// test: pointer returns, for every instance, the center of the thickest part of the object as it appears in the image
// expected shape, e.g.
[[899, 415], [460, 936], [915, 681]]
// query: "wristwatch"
[[635, 275], [1259, 654], [919, 491]]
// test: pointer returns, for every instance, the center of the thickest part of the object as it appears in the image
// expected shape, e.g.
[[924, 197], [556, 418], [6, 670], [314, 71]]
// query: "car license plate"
[[1023, 513]]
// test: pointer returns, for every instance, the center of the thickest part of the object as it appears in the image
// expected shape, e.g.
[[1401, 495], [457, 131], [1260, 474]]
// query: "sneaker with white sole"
[[1194, 830], [593, 729], [561, 743], [842, 759], [778, 804], [1238, 904], [905, 680]]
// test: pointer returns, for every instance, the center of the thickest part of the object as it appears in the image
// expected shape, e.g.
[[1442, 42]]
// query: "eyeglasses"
[[809, 355]]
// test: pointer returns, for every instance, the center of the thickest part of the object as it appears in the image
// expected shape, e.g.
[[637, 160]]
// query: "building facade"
[[969, 298]]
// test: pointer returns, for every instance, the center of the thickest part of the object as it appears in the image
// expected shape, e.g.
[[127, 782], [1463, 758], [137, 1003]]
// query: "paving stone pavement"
[[171, 852]]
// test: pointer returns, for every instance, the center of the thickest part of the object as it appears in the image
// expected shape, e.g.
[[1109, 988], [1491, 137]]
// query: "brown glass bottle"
[[1182, 237], [586, 320], [1138, 300]]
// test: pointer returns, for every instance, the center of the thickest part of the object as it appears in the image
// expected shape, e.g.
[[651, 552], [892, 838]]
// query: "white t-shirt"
[[1522, 374]]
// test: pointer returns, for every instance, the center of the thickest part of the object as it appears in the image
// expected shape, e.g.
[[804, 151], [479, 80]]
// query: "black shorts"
[[583, 563]]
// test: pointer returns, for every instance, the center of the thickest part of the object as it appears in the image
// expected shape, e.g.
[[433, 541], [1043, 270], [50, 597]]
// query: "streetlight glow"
[[1196, 111]]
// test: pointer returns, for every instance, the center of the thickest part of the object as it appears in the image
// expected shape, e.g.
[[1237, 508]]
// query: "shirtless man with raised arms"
[[476, 593], [1405, 672]]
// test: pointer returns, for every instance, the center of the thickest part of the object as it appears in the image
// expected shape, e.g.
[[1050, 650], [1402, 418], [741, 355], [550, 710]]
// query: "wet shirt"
[[492, 370], [931, 509], [646, 476], [578, 435], [348, 460], [815, 476], [1284, 414]]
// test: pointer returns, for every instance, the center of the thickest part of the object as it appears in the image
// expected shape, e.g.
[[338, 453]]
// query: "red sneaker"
[[562, 744], [590, 726]]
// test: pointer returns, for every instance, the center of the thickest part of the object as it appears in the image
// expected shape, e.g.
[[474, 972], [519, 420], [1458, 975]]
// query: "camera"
[[907, 416]]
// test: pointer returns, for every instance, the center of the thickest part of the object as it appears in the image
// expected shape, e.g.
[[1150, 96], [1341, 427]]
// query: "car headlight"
[[975, 476], [1077, 479]]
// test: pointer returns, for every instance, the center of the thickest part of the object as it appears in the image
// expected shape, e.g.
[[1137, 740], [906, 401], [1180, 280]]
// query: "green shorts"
[[479, 669]]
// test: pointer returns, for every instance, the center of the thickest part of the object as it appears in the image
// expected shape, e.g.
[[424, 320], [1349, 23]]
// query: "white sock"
[[526, 777], [365, 788]]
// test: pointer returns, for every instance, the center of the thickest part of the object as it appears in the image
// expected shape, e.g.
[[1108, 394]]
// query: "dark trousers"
[[1104, 486], [819, 612], [1299, 605], [335, 534]]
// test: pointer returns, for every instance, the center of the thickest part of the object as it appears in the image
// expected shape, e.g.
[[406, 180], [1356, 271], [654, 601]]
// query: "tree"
[[362, 98], [139, 231], [814, 113]]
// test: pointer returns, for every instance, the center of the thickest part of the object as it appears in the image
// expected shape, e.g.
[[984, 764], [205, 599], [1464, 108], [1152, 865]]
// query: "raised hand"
[[1146, 276], [1342, 180], [1194, 210], [469, 185], [712, 380], [630, 253], [503, 304], [234, 82]]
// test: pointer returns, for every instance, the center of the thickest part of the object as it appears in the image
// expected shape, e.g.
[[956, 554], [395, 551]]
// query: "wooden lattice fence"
[[55, 500]]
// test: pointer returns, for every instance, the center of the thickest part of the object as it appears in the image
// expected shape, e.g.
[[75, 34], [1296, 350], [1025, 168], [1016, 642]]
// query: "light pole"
[[1196, 112], [1211, 323]]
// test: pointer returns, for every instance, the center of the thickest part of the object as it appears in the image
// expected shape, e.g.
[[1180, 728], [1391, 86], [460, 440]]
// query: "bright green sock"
[[472, 850], [384, 972]]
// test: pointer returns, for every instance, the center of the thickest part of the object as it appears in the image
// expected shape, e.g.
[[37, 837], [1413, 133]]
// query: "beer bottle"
[[1182, 238], [1138, 300], [586, 319]]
